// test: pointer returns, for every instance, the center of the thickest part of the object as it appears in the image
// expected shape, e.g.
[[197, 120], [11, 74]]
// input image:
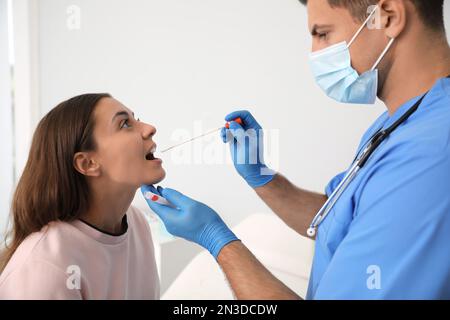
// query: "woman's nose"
[[148, 131]]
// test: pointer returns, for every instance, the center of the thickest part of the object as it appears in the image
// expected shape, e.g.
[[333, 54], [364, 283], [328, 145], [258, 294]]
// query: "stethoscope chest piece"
[[311, 232]]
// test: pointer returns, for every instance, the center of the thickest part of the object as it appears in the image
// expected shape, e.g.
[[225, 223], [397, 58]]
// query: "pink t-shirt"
[[76, 261]]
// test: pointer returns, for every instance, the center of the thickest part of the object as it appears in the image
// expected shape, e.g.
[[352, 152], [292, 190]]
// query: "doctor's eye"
[[322, 36]]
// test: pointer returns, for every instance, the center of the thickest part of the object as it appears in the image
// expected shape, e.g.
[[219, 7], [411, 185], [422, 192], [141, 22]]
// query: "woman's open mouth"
[[150, 155]]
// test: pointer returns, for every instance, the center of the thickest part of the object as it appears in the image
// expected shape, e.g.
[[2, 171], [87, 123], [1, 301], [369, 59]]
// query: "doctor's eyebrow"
[[121, 113], [316, 27]]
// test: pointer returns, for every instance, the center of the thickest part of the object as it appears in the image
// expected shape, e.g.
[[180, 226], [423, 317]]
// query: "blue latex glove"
[[191, 220], [248, 157]]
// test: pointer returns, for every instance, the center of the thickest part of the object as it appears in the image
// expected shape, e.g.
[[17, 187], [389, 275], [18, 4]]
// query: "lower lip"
[[156, 160]]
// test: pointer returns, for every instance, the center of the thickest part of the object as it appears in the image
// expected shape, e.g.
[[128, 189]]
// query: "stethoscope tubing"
[[359, 163]]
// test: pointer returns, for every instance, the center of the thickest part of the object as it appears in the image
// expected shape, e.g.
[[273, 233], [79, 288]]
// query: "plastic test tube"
[[157, 198]]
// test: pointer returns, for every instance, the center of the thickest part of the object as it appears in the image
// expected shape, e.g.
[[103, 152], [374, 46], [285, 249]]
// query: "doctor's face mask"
[[333, 72]]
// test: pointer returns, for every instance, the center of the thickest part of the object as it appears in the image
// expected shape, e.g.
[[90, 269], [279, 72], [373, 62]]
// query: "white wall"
[[26, 78], [6, 128]]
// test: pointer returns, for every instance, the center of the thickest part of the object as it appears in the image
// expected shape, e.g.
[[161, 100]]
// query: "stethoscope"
[[358, 163]]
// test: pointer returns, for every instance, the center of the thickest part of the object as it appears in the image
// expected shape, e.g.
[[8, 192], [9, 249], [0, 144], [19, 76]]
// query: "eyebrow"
[[121, 113], [319, 26]]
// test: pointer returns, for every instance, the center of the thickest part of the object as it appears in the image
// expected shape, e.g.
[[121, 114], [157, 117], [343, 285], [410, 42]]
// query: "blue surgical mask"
[[334, 73]]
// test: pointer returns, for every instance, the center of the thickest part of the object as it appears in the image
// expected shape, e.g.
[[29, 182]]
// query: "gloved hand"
[[191, 220], [248, 157]]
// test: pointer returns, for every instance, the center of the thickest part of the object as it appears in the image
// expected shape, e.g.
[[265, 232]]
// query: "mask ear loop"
[[360, 30], [362, 27], [383, 54]]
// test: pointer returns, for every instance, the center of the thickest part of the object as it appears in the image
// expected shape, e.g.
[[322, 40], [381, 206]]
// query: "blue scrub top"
[[388, 236]]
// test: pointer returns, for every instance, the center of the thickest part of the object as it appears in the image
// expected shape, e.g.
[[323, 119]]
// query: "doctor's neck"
[[421, 57]]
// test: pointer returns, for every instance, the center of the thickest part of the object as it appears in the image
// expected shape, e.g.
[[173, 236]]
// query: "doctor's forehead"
[[321, 13]]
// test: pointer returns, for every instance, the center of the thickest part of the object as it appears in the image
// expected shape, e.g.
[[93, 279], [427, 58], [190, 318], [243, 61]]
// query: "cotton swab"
[[227, 125]]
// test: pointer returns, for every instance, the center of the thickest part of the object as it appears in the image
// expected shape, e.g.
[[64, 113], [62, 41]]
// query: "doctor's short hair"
[[430, 11]]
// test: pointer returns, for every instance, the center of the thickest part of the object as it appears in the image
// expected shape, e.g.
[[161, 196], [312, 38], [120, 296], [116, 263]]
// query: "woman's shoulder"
[[59, 242], [37, 248]]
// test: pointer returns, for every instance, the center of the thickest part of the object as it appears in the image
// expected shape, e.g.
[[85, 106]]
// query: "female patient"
[[74, 233]]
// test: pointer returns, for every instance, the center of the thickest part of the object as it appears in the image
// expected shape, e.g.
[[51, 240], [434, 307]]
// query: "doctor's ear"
[[393, 16], [84, 163]]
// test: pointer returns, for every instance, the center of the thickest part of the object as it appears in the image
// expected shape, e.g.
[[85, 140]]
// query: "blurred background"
[[182, 66]]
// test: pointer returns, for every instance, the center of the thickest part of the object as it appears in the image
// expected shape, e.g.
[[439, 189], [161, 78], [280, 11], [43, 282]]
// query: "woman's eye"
[[125, 124]]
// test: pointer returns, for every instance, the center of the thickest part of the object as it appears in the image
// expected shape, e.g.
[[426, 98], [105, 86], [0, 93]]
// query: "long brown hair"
[[50, 188]]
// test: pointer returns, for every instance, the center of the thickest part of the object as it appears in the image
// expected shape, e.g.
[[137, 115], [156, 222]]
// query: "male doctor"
[[394, 214]]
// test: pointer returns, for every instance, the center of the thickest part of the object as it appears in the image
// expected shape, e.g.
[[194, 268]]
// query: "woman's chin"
[[156, 178]]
